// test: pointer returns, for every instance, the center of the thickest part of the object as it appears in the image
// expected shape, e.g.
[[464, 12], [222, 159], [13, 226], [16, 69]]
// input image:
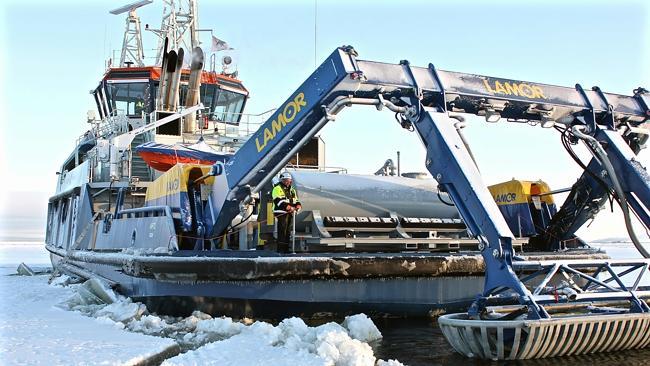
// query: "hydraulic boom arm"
[[422, 97]]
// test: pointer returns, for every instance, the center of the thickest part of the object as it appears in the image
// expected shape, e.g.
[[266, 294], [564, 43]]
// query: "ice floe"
[[34, 331], [225, 341]]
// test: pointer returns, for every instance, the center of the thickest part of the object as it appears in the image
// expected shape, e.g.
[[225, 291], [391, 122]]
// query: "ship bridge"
[[132, 91]]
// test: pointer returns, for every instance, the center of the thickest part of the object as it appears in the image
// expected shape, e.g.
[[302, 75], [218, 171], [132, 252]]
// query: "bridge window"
[[208, 94], [130, 99], [228, 107]]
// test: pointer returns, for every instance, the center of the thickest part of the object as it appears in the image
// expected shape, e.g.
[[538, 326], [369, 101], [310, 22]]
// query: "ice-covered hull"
[[270, 285]]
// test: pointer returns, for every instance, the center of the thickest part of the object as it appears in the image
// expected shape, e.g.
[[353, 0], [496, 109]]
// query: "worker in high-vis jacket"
[[285, 203]]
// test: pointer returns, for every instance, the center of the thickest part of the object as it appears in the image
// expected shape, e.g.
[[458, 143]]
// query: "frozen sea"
[[43, 324], [52, 324]]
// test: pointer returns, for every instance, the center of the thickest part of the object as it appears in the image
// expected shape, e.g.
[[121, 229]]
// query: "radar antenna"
[[132, 45]]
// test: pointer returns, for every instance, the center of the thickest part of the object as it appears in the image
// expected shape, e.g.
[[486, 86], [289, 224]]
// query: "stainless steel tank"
[[370, 195]]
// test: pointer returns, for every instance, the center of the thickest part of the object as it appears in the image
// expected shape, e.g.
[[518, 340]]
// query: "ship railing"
[[225, 124], [318, 168], [94, 132], [149, 211], [114, 124], [231, 125]]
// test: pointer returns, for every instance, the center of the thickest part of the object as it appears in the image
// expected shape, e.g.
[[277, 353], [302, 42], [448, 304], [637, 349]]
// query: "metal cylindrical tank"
[[370, 195]]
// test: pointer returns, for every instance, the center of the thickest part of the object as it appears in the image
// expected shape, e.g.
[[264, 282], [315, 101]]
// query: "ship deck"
[[266, 265], [272, 285]]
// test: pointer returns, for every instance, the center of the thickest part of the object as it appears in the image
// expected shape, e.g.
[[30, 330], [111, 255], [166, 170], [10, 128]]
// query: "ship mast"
[[180, 25], [132, 44]]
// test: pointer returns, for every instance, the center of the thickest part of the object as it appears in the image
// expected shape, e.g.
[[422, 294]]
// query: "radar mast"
[[132, 44], [180, 25]]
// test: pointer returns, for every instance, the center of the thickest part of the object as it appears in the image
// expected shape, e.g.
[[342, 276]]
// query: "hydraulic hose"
[[459, 126], [598, 150]]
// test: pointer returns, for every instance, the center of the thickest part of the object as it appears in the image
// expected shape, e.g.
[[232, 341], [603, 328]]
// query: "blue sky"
[[55, 53]]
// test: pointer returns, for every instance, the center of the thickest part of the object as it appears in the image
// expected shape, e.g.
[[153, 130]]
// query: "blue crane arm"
[[423, 97], [512, 99], [268, 149], [342, 75]]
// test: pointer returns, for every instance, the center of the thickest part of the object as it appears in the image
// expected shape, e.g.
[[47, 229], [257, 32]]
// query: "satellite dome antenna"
[[225, 63], [132, 45]]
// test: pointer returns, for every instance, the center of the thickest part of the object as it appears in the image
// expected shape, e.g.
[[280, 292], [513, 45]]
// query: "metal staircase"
[[139, 168]]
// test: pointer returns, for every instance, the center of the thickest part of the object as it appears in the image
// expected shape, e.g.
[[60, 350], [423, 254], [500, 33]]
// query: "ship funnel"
[[193, 88]]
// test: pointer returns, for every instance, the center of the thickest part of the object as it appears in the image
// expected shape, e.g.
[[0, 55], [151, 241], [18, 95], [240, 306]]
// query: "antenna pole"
[[180, 24], [193, 24], [167, 30], [132, 43]]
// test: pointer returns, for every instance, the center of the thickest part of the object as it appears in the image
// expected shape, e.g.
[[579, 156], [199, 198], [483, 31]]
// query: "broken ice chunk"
[[24, 270]]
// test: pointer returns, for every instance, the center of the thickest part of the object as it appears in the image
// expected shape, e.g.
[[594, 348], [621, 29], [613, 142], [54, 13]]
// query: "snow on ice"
[[34, 331], [223, 341], [290, 343], [48, 324]]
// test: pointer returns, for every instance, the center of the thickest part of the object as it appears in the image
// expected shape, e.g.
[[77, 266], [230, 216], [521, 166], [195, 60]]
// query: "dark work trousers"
[[284, 231]]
